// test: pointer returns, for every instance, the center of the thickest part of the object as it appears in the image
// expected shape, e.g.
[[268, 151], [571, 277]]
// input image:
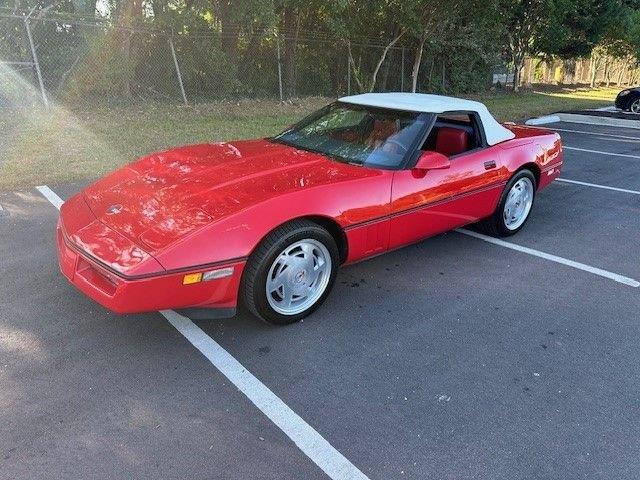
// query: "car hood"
[[165, 196]]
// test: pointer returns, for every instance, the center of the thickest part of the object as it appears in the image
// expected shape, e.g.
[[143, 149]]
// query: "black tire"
[[254, 277], [495, 224], [634, 104]]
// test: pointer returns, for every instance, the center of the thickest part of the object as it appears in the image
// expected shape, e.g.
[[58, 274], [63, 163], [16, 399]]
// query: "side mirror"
[[432, 161]]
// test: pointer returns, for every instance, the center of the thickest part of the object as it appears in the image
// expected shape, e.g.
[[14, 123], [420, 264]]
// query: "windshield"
[[356, 134]]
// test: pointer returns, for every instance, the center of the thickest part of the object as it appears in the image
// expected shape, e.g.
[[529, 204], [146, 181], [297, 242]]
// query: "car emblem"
[[113, 209]]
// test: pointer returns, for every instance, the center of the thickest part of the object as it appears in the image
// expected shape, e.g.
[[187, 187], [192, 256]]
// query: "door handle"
[[489, 165]]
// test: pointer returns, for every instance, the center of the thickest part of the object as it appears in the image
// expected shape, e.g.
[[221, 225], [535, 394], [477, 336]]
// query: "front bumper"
[[146, 293]]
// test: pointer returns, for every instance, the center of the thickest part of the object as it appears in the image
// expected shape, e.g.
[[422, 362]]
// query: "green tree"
[[564, 28]]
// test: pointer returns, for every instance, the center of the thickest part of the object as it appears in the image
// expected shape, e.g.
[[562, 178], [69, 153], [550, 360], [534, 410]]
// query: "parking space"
[[89, 394], [614, 167], [588, 225], [452, 358], [600, 170]]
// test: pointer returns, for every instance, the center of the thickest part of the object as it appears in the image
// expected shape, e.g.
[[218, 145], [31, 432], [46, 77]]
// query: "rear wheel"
[[635, 106], [290, 273], [514, 207]]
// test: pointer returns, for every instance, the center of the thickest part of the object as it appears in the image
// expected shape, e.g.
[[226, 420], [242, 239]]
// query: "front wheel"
[[514, 207], [290, 273], [635, 106]]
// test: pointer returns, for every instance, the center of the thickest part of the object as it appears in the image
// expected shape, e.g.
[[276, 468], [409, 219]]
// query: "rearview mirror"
[[432, 161]]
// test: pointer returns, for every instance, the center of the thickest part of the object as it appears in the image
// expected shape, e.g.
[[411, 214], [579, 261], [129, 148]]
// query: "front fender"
[[236, 236]]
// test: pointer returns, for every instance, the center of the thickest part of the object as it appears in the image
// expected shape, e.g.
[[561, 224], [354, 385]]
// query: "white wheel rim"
[[518, 204], [298, 277], [635, 106]]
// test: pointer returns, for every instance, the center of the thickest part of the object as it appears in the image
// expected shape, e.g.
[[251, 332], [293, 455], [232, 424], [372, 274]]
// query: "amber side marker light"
[[192, 278]]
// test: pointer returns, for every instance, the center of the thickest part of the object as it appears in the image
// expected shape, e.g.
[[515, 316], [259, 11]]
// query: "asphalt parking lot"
[[455, 358]]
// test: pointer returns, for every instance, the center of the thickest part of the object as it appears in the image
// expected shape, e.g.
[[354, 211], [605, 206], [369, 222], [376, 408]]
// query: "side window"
[[453, 134]]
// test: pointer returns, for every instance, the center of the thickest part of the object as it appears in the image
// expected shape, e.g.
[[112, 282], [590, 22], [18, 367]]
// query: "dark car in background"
[[629, 100]]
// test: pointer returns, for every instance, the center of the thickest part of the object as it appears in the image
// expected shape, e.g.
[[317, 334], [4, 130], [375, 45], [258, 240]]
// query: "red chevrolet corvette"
[[267, 222]]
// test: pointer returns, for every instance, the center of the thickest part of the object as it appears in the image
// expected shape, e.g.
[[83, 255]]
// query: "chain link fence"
[[72, 61], [76, 62], [47, 58]]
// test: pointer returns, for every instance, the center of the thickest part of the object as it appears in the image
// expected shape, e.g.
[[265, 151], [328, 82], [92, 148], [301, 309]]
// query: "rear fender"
[[540, 153]]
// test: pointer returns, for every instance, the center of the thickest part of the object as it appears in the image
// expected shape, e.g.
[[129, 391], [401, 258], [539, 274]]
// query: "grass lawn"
[[40, 147]]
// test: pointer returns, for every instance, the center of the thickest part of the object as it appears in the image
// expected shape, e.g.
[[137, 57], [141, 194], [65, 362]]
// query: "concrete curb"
[[592, 120], [585, 119], [543, 120]]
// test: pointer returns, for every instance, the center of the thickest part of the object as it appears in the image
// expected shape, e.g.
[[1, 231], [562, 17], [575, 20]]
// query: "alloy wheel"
[[298, 277], [518, 204]]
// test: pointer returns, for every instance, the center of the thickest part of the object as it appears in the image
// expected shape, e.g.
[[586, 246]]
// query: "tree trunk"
[[620, 73], [385, 76], [381, 61], [130, 14], [229, 30], [126, 51], [291, 24], [417, 61], [253, 44], [518, 49], [354, 69], [517, 67], [570, 71], [630, 73], [431, 67], [607, 73]]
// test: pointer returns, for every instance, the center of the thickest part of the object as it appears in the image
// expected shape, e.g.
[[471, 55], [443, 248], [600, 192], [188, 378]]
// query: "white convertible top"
[[422, 102]]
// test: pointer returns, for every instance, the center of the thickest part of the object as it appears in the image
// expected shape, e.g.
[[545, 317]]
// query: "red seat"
[[451, 141]]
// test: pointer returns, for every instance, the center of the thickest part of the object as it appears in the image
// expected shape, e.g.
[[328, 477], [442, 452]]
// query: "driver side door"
[[426, 203]]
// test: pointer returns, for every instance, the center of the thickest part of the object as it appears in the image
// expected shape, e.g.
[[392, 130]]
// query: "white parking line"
[[332, 462], [597, 134], [595, 185], [599, 152], [50, 195], [553, 258], [312, 444]]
